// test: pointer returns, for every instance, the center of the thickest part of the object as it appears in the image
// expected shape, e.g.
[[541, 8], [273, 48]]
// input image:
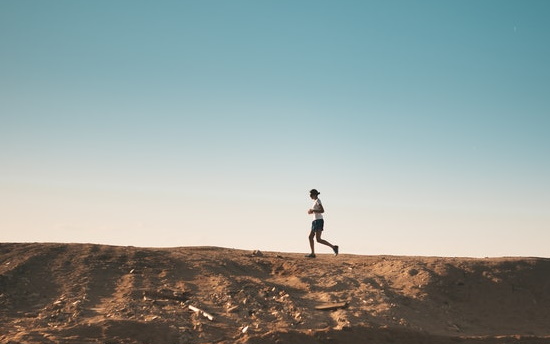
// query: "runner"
[[317, 225]]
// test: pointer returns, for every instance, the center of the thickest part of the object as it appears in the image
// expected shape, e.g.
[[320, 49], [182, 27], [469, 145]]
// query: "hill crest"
[[67, 293]]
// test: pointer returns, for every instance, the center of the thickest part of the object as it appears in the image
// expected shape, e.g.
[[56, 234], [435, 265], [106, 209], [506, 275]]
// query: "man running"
[[317, 225]]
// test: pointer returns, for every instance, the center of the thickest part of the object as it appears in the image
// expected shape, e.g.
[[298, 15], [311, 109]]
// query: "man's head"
[[314, 193]]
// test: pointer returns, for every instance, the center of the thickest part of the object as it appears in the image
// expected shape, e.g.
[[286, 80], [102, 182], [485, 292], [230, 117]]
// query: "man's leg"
[[311, 242], [322, 241]]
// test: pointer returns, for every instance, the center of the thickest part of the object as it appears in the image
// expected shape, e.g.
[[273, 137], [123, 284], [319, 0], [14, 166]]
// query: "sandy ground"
[[75, 293]]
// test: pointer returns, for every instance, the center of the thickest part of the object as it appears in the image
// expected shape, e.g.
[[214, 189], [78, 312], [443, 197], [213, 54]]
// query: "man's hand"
[[310, 211]]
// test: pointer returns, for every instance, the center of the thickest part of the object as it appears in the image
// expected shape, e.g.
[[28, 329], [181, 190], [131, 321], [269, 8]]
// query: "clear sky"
[[425, 125]]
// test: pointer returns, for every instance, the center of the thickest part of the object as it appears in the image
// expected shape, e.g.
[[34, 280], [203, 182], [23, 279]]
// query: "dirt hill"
[[76, 293]]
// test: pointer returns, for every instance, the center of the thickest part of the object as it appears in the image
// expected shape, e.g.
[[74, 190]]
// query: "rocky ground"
[[79, 293]]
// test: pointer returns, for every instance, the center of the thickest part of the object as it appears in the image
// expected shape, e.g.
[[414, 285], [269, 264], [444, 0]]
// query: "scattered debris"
[[232, 309], [165, 294], [332, 306], [203, 313]]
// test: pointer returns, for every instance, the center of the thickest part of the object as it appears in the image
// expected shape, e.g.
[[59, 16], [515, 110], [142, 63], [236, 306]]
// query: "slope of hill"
[[80, 293]]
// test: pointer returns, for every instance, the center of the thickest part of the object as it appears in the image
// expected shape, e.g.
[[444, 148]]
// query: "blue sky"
[[179, 123]]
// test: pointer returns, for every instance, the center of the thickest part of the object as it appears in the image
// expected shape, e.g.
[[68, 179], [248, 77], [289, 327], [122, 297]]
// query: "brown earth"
[[80, 293]]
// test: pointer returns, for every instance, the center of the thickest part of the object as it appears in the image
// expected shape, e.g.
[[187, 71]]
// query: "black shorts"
[[317, 225]]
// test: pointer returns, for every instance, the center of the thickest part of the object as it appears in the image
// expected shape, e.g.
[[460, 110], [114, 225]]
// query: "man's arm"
[[317, 211]]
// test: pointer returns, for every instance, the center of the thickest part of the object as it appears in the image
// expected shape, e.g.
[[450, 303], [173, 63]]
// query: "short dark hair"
[[314, 191]]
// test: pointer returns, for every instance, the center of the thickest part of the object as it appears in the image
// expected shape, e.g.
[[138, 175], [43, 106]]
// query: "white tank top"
[[317, 205]]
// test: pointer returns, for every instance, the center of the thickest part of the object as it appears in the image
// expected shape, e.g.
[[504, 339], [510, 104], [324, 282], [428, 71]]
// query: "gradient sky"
[[424, 124]]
